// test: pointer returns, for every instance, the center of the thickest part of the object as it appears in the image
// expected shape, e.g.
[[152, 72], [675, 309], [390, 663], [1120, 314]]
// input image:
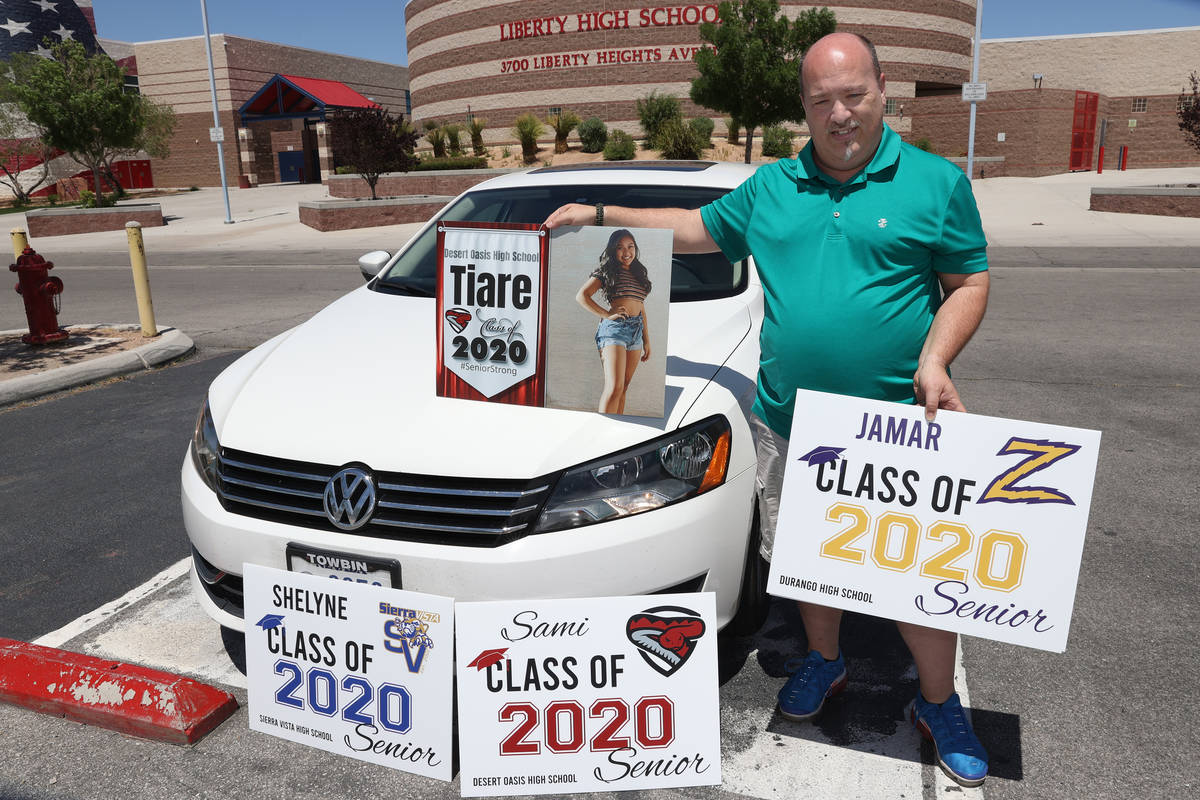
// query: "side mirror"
[[372, 262]]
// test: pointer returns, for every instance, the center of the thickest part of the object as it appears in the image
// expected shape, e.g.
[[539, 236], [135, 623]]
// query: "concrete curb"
[[170, 344], [122, 697]]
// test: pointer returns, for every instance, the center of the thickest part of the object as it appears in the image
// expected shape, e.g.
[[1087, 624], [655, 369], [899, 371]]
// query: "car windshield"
[[694, 276]]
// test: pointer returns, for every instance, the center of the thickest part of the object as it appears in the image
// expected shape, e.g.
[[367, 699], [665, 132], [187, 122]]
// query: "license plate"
[[344, 566]]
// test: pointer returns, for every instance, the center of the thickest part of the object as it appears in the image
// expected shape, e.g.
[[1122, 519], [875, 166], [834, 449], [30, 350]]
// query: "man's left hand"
[[934, 389]]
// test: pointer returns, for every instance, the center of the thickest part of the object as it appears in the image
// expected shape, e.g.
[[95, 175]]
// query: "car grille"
[[439, 509]]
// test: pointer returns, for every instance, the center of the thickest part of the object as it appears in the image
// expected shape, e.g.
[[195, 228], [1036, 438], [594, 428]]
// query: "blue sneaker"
[[959, 753], [804, 694]]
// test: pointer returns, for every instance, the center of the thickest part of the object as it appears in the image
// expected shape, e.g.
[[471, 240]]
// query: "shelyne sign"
[[587, 695], [607, 20], [354, 669], [491, 312], [969, 523]]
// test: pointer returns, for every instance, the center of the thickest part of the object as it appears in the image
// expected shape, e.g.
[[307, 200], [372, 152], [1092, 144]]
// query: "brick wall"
[[175, 72], [1036, 124]]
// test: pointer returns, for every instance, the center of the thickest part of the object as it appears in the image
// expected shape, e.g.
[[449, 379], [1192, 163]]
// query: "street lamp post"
[[975, 80], [212, 85]]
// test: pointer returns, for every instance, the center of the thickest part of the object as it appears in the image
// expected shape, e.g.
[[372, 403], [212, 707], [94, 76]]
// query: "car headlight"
[[675, 467], [206, 448]]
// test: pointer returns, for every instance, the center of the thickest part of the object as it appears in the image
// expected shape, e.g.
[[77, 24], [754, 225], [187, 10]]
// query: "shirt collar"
[[886, 156]]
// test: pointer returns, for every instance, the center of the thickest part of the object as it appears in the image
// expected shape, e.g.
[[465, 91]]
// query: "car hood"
[[356, 383]]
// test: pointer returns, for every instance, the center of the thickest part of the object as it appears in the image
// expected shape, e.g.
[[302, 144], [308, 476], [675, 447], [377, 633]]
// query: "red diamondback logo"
[[665, 636], [458, 318]]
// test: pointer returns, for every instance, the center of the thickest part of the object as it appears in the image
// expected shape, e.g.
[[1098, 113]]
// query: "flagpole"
[[212, 85]]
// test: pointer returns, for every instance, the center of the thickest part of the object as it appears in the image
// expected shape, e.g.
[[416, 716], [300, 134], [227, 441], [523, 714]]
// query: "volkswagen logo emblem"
[[350, 498]]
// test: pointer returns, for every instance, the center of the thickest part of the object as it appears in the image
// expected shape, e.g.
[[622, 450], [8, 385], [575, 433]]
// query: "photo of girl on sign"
[[623, 335]]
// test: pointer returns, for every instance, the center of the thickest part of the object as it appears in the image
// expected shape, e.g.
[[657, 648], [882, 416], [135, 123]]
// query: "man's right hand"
[[571, 214]]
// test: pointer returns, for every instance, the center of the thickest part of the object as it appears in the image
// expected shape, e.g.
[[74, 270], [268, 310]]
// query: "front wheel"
[[753, 601]]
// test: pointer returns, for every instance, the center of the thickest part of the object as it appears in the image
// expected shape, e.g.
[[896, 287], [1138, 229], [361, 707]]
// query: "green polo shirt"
[[849, 270]]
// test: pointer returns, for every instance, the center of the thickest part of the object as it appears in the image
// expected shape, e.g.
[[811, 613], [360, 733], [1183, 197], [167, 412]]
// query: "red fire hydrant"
[[40, 292]]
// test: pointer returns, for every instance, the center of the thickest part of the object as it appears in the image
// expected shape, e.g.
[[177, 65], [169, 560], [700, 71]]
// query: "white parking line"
[[160, 625]]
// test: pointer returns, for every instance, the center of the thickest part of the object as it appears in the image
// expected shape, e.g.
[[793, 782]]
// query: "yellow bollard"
[[141, 279], [19, 241]]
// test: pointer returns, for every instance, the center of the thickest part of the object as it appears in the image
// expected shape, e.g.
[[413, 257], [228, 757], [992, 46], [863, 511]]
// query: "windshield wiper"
[[407, 289]]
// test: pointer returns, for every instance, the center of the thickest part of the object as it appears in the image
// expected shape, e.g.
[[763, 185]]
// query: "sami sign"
[[491, 324], [582, 695], [354, 669], [969, 523]]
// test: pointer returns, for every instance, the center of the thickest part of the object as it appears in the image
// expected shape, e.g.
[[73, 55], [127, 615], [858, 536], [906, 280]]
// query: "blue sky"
[[375, 28]]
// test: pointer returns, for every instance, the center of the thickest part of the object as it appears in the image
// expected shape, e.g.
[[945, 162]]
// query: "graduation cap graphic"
[[487, 658], [270, 621], [821, 455]]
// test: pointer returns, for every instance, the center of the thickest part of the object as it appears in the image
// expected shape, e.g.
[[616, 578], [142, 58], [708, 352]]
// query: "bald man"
[[880, 242]]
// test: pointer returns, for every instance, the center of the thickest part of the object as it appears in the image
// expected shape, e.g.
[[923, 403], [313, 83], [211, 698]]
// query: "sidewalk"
[[1017, 212]]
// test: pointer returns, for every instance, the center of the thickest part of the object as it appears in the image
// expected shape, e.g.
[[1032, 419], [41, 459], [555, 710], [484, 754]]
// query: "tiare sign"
[[492, 312], [969, 523]]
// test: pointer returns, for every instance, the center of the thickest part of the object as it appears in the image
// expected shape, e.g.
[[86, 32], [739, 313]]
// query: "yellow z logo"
[[1042, 453]]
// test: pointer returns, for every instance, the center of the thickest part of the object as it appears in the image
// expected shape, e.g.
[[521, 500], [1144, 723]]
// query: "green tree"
[[1189, 112], [78, 101], [374, 141], [752, 69], [157, 124]]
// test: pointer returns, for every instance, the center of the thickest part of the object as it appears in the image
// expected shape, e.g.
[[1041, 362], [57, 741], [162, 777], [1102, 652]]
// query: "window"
[[554, 110], [408, 103], [1139, 105], [891, 107]]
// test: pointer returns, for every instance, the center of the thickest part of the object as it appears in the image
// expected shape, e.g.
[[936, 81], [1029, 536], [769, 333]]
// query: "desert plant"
[[677, 140], [453, 131], [732, 126], [431, 124], [475, 128], [653, 111], [619, 147], [777, 142], [923, 144], [593, 133], [527, 128], [702, 128], [437, 138], [562, 124]]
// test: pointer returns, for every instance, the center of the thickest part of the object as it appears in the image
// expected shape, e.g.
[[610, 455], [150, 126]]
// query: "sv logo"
[[1042, 453]]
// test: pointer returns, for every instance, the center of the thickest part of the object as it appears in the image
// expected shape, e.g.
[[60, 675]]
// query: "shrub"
[[653, 111], [475, 128], [87, 198], [593, 133], [702, 128], [562, 124], [52, 199], [732, 126], [437, 138], [453, 131], [677, 140], [923, 144], [527, 129], [777, 142], [619, 147], [451, 162], [345, 170], [193, 188]]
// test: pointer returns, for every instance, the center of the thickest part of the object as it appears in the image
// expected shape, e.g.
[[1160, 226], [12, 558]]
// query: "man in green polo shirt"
[[874, 272]]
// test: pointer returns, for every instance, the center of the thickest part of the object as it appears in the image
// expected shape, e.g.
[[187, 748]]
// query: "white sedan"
[[326, 449]]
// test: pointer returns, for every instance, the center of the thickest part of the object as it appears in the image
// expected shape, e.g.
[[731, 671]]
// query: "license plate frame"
[[349, 567]]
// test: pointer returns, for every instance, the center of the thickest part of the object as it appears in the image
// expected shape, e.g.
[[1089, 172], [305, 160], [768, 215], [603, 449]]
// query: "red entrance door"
[[1083, 130]]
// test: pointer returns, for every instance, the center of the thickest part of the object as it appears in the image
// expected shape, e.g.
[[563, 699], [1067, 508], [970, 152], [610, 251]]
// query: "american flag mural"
[[25, 25]]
